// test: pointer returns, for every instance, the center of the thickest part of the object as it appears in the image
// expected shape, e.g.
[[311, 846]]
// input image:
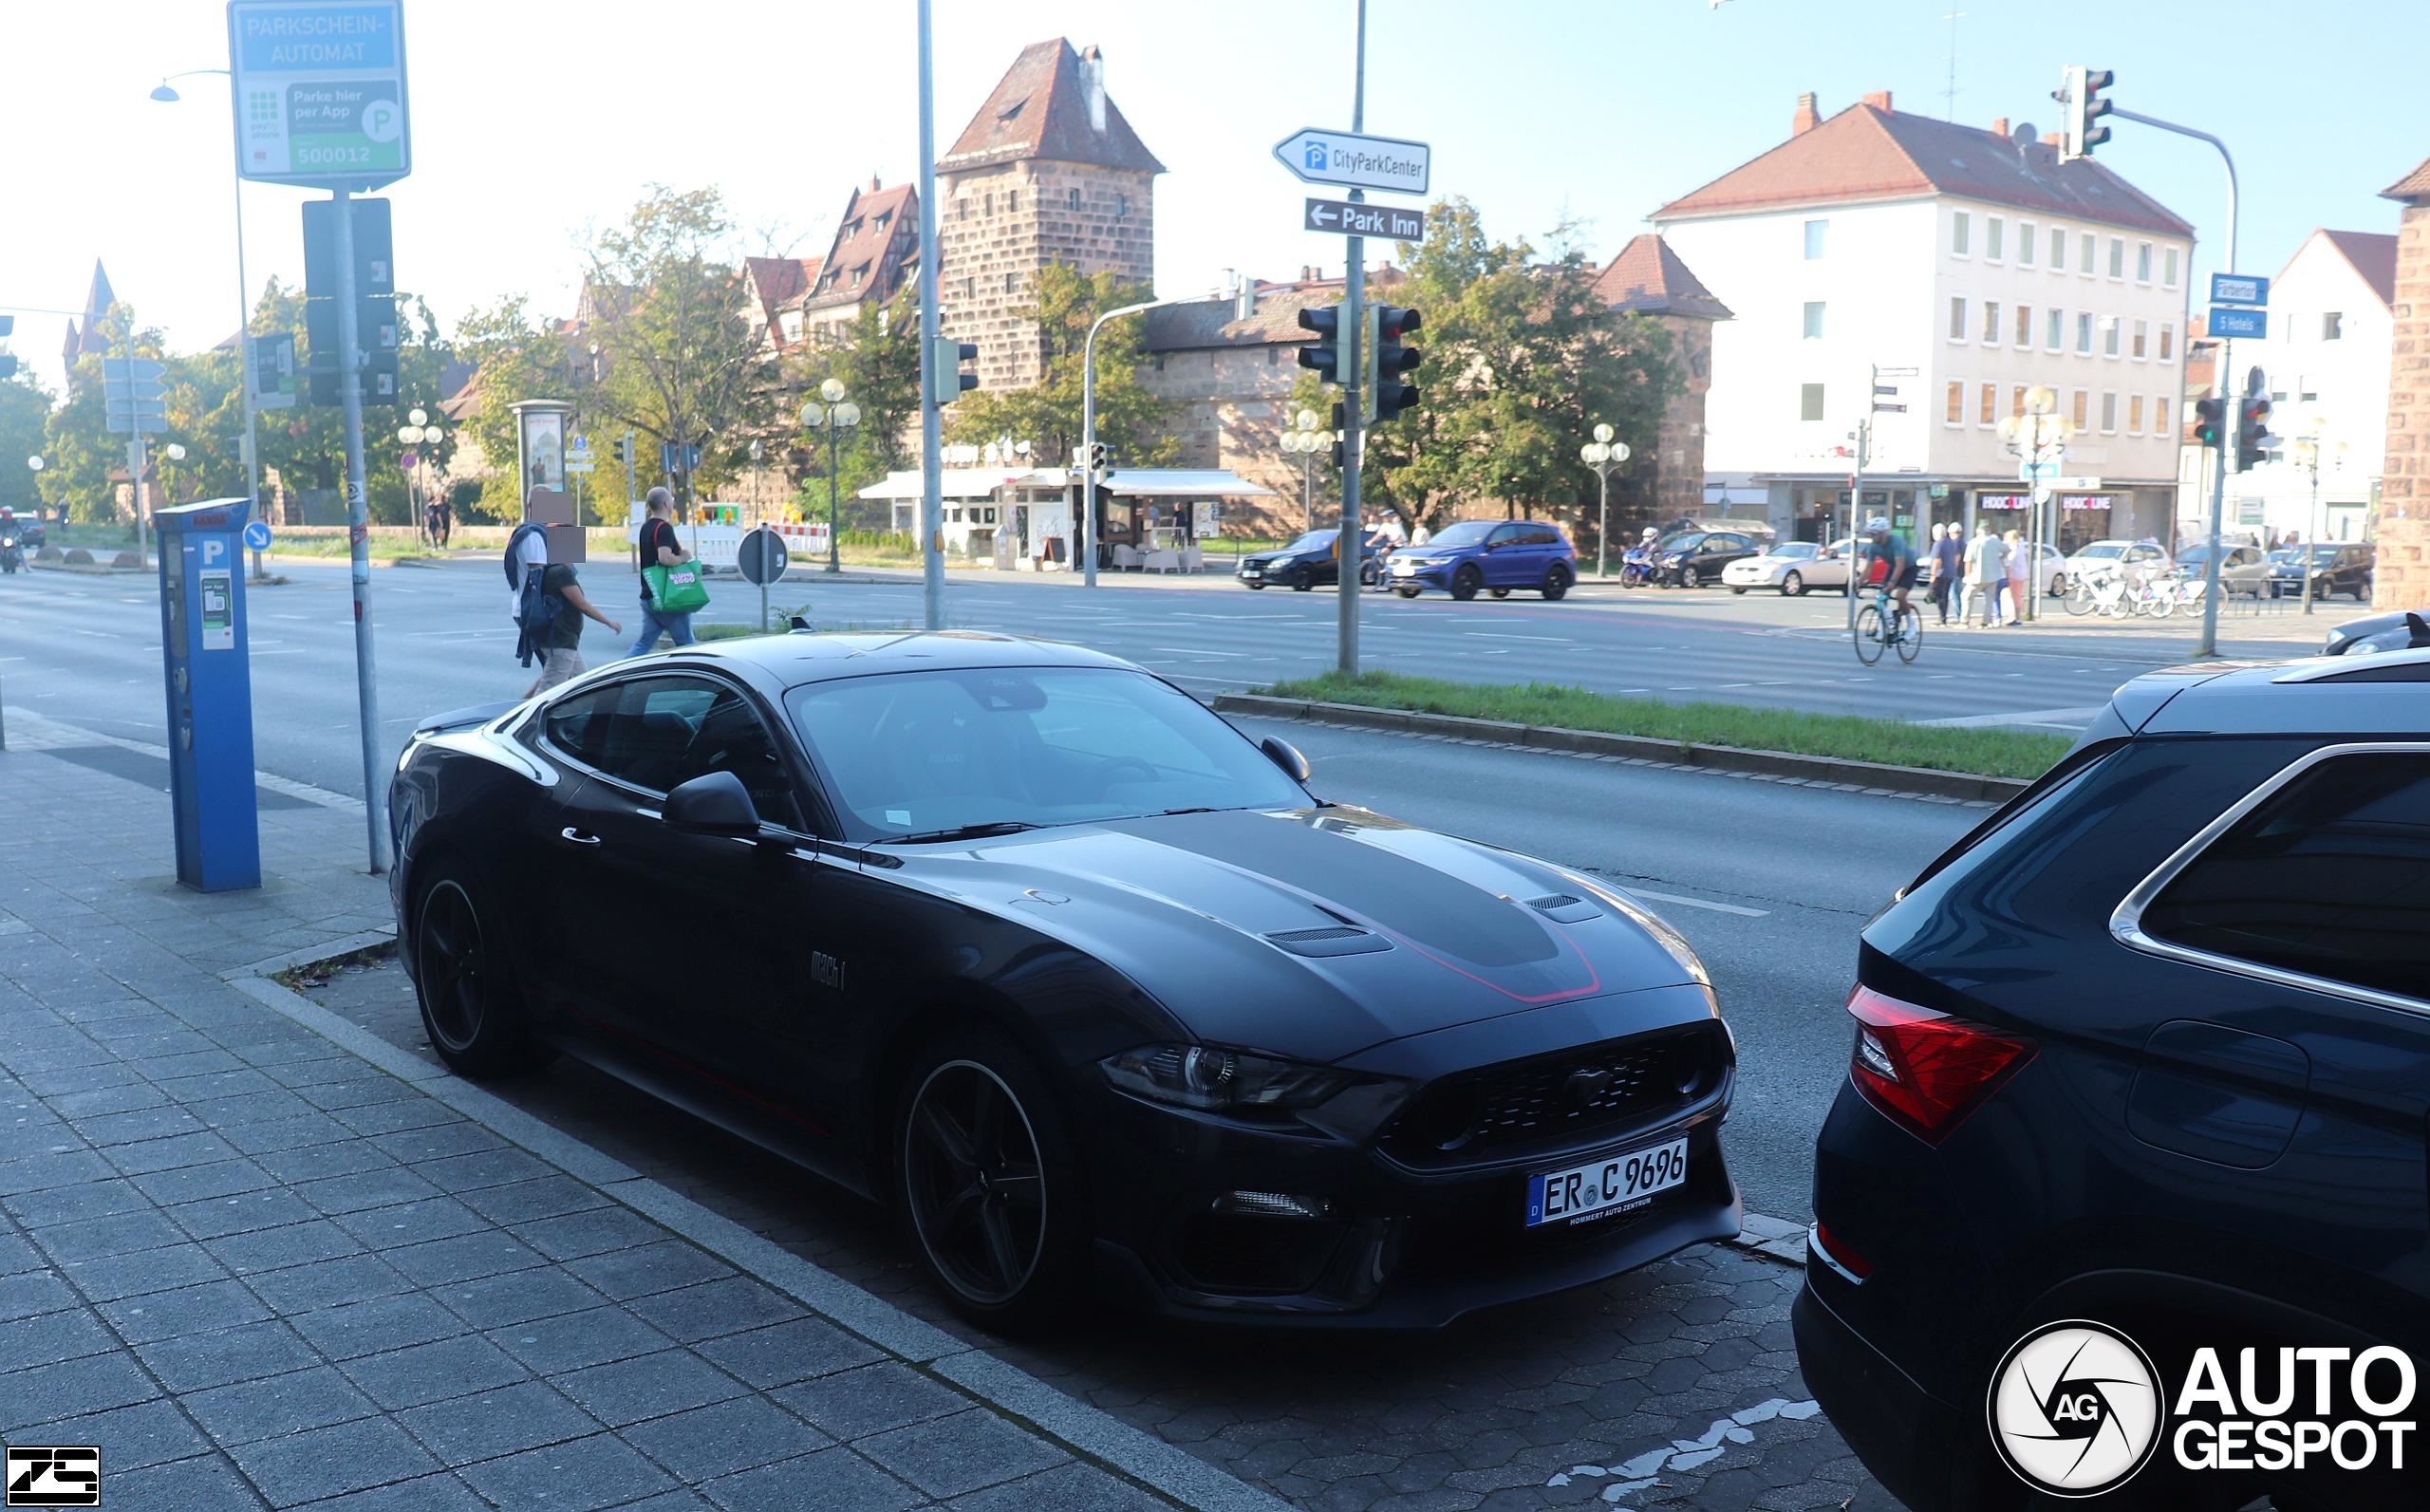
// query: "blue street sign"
[[2239, 289], [258, 535], [679, 459], [2242, 324]]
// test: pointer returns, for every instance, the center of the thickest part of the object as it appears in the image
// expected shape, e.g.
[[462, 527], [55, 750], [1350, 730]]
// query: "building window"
[[1012, 201], [1075, 196], [2332, 326], [2054, 333], [1814, 319], [2109, 337], [1957, 318], [2084, 334], [2108, 413], [2058, 248], [1010, 280], [1956, 413], [2143, 334], [2078, 411], [1993, 228], [962, 208], [1814, 232], [2134, 414], [1809, 403], [1988, 412], [2168, 341], [2159, 416], [1122, 207], [1961, 226], [2024, 244], [1991, 322], [2142, 262], [2087, 249], [991, 205], [2017, 400], [2117, 257], [2024, 322], [2168, 267]]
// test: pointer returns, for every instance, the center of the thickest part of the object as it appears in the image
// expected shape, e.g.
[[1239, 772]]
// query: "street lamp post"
[[415, 433], [1603, 453], [1305, 441], [2039, 437], [2307, 453], [1089, 434], [837, 414], [244, 309]]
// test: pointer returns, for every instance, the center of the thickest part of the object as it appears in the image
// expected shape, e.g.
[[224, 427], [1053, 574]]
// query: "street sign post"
[[2241, 324], [2239, 289], [319, 92], [258, 535], [761, 559], [1316, 155], [1392, 222]]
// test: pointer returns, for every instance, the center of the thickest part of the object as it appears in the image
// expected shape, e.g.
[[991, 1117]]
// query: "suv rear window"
[[2330, 877]]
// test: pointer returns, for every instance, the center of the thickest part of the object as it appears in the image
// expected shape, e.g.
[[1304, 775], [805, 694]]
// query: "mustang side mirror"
[[1286, 756], [715, 804]]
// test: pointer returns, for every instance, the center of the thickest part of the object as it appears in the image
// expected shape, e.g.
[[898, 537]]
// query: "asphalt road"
[[85, 649]]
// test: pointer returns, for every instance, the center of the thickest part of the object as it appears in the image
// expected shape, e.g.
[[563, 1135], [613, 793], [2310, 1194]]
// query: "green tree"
[[79, 448], [515, 357], [25, 413], [878, 361], [1521, 361], [1047, 414], [306, 443]]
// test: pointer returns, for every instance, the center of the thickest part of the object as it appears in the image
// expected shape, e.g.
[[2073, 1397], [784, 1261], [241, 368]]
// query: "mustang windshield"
[[929, 753]]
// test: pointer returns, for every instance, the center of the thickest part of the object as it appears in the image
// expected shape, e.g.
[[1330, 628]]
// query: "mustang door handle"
[[577, 836]]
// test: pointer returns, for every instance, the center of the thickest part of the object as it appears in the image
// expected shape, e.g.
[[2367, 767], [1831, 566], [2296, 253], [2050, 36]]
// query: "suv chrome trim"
[[2126, 920]]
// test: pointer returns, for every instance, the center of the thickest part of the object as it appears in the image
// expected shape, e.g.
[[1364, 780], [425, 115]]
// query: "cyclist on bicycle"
[[1890, 561]]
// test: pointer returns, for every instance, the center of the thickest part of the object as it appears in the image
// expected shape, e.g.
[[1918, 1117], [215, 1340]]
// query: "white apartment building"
[[2332, 331], [1977, 262]]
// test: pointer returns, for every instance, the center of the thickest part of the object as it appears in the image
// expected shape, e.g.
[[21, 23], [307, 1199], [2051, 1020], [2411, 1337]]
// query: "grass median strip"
[[1853, 737]]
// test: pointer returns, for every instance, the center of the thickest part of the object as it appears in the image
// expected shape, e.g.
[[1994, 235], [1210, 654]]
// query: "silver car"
[[1791, 567]]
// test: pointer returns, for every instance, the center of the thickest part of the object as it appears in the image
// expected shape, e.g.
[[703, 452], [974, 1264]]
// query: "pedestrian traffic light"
[[7, 364], [2253, 441], [2210, 420], [1389, 360], [1326, 354], [1100, 462], [946, 380], [2078, 92]]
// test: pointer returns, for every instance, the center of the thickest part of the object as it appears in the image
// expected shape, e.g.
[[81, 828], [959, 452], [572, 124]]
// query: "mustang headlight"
[[1209, 1080]]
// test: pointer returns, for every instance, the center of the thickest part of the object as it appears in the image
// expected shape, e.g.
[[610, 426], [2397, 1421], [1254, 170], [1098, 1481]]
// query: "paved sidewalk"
[[258, 1264]]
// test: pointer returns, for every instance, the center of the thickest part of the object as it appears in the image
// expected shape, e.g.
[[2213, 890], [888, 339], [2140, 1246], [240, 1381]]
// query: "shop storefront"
[[2084, 518]]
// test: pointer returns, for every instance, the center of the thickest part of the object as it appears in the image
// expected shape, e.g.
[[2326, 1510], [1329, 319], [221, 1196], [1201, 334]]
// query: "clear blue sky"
[[532, 120]]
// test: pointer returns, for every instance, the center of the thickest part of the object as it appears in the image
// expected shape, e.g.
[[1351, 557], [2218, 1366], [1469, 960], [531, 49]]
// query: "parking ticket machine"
[[211, 693]]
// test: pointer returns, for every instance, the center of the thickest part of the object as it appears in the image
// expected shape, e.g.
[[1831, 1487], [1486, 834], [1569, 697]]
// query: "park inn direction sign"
[[320, 95]]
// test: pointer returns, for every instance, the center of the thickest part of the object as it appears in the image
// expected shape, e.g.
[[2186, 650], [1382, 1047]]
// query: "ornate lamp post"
[[1305, 441], [416, 433], [837, 414], [2308, 455], [1603, 453], [2039, 437]]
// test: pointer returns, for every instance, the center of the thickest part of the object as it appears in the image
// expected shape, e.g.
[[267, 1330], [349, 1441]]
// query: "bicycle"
[[1906, 633]]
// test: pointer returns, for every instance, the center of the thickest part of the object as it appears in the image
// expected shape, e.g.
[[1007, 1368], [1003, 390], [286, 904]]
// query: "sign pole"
[[358, 519], [1350, 544], [932, 509]]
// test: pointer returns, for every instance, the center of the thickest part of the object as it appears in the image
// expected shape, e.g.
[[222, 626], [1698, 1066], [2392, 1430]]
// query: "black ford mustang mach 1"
[[1033, 945]]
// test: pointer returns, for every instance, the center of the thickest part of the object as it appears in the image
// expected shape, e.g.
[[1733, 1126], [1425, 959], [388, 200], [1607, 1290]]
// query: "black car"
[[2396, 630], [1694, 558], [1310, 562], [2146, 1056], [2335, 569], [1032, 944]]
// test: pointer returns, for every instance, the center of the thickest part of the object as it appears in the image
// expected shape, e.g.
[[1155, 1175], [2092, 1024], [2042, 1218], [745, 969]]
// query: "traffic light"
[[1100, 462], [2210, 420], [1388, 360], [1326, 354], [7, 364], [2079, 93], [1340, 447], [624, 453], [2253, 441], [946, 380]]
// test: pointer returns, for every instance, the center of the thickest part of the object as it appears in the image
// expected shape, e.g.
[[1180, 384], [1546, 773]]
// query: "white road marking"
[[1497, 635], [1698, 903], [1978, 722], [1201, 651]]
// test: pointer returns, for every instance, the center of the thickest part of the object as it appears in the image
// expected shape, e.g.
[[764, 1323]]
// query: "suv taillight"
[[1926, 1069]]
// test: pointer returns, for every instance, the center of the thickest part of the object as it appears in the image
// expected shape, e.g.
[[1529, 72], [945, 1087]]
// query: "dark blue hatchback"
[[1497, 557], [2147, 1054]]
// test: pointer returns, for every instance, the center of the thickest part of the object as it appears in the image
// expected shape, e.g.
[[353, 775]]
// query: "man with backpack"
[[550, 607]]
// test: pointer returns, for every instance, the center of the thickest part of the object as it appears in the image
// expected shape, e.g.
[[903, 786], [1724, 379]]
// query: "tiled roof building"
[[1649, 279], [2403, 526]]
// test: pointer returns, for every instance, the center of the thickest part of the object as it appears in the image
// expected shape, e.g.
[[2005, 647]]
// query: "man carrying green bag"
[[671, 586]]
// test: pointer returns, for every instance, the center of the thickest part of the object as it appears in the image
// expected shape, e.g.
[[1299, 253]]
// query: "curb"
[[1173, 1474], [1868, 775]]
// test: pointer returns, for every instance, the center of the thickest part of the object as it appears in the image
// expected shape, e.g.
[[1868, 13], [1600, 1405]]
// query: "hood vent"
[[1330, 940], [1566, 907]]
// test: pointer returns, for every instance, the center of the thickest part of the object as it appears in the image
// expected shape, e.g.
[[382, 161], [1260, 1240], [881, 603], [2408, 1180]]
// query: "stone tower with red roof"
[[1048, 171], [2403, 526]]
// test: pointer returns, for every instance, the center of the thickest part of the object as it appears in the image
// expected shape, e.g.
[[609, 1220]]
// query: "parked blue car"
[[1496, 557]]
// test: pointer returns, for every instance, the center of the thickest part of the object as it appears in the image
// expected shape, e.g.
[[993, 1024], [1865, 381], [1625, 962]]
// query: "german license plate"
[[1583, 1193]]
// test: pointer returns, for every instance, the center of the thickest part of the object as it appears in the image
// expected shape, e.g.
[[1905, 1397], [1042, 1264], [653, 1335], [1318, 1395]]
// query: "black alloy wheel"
[[1304, 580], [465, 987], [1500, 593], [990, 1189], [1465, 581], [1405, 593], [1255, 588], [1556, 581]]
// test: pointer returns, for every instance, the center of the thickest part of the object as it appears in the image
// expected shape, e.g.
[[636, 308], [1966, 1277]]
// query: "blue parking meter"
[[211, 693]]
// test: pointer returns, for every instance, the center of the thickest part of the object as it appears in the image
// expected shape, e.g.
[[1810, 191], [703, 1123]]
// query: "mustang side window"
[[668, 729], [2330, 877], [578, 726]]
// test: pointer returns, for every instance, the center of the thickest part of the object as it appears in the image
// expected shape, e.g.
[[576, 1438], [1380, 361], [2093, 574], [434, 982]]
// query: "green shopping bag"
[[676, 589]]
